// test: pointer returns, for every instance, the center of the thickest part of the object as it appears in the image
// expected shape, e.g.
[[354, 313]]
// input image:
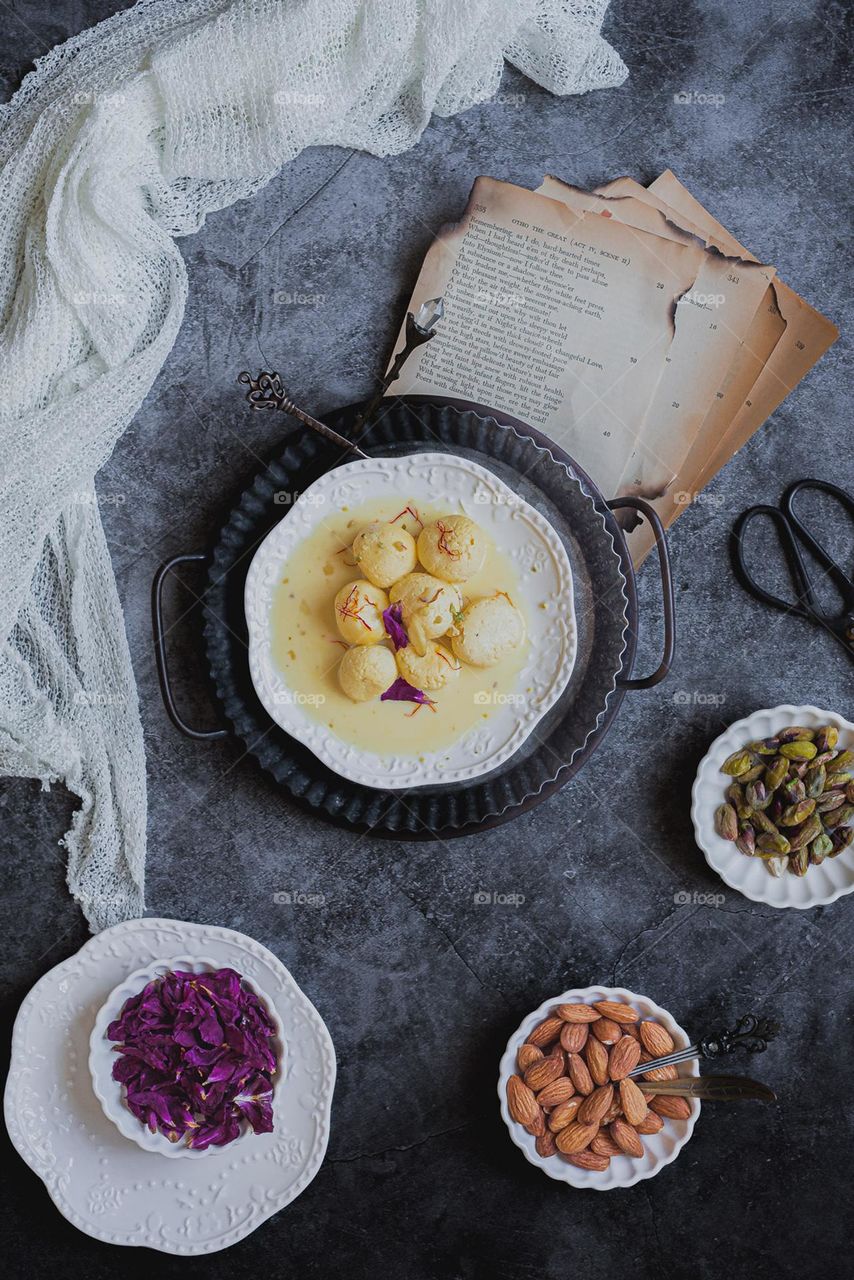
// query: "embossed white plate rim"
[[247, 1202], [511, 726]]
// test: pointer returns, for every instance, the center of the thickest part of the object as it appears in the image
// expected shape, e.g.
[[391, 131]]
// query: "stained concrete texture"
[[418, 981]]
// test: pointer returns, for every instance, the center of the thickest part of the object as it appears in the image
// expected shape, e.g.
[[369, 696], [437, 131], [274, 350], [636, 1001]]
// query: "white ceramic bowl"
[[660, 1148], [111, 1094], [545, 586], [822, 884]]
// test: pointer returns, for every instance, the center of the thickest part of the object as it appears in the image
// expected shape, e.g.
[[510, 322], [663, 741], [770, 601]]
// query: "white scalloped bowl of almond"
[[567, 1099], [410, 620]]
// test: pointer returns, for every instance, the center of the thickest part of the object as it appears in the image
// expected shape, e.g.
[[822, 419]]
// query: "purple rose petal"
[[393, 621], [403, 691], [195, 1057]]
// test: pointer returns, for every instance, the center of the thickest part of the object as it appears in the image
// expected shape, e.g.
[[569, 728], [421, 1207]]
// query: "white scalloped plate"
[[517, 528], [822, 884], [108, 1186], [660, 1149]]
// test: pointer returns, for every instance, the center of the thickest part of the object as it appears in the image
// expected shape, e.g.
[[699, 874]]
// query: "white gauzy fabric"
[[119, 141]]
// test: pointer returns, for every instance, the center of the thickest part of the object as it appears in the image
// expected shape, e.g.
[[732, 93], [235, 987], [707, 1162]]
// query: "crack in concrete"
[[295, 211], [492, 990], [408, 1146]]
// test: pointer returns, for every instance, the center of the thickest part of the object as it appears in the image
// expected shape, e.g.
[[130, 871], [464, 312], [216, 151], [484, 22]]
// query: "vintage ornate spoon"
[[750, 1033], [711, 1088], [267, 391]]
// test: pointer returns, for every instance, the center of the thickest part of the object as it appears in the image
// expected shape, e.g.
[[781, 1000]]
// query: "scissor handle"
[[798, 569], [835, 572]]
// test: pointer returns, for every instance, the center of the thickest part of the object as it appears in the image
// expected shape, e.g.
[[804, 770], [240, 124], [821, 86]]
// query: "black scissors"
[[792, 532]]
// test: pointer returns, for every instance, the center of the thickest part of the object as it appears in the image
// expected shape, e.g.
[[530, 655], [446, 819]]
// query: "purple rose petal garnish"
[[195, 1057], [393, 622], [403, 691]]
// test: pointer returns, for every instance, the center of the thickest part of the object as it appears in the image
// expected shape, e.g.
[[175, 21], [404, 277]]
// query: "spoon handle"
[[750, 1032], [267, 392]]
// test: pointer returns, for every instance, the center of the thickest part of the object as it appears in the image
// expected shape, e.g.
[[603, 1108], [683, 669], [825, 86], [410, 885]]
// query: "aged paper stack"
[[625, 323]]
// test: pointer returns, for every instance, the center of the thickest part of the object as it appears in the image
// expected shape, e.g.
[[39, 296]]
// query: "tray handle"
[[647, 682], [200, 735]]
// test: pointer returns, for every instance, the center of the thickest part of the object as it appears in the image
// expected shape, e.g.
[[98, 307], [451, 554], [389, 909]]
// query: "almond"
[[632, 1100], [579, 1074], [564, 1114], [655, 1039], [537, 1126], [546, 1032], [661, 1073], [615, 1110], [574, 1036], [575, 1137], [560, 1090], [597, 1060], [576, 1013], [651, 1123], [626, 1138], [545, 1071], [526, 1057], [545, 1144], [594, 1107], [606, 1030], [672, 1108], [625, 1056], [604, 1145], [521, 1103], [616, 1011], [589, 1160], [631, 1029]]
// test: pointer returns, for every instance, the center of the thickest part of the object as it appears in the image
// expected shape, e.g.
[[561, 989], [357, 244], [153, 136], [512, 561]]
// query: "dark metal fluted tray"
[[605, 603]]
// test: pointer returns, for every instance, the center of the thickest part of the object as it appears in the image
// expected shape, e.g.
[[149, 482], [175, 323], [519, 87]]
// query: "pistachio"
[[841, 840], [799, 862], [795, 733], [797, 813], [808, 831], [764, 747], [736, 764], [776, 772], [815, 781], [829, 801], [839, 817], [757, 795], [797, 780], [826, 737], [726, 822], [794, 790], [820, 848], [764, 823], [767, 846]]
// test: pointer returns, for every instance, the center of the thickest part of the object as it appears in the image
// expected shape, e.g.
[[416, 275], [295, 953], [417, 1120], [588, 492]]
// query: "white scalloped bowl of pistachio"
[[823, 872]]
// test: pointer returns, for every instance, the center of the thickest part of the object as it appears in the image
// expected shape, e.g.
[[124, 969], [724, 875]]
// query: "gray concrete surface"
[[419, 985]]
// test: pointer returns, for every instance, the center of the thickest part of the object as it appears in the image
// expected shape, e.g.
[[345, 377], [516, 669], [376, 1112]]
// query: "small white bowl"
[[660, 1148], [750, 876], [111, 1094]]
